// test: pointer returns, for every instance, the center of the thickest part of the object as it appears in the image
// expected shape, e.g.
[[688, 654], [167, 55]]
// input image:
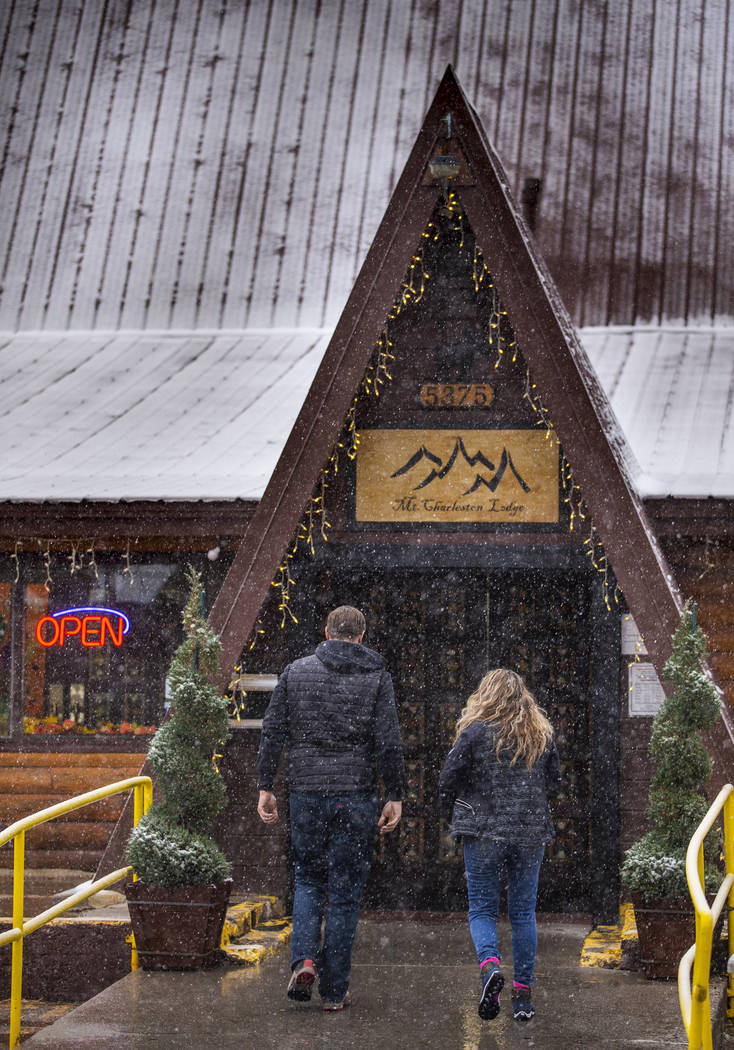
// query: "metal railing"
[[143, 788], [693, 992]]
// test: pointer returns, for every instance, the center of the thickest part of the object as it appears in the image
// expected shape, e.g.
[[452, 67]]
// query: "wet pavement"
[[414, 985]]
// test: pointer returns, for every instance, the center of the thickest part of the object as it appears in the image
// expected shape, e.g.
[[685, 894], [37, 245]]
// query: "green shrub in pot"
[[655, 866], [171, 846]]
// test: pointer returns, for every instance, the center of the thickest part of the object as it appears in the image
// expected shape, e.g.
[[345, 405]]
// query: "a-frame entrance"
[[457, 442], [450, 526], [455, 412], [581, 415]]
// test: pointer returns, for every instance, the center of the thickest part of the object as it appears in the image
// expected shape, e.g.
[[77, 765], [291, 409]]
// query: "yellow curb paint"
[[627, 919], [246, 957], [243, 917], [240, 917], [603, 946], [254, 946]]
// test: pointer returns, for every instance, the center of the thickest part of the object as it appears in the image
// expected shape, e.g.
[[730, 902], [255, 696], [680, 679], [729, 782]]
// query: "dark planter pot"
[[666, 929], [178, 928]]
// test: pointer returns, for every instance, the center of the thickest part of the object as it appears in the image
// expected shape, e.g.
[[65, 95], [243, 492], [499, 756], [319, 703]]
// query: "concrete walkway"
[[414, 986]]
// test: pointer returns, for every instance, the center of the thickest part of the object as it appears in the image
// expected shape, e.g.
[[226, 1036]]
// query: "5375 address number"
[[456, 395]]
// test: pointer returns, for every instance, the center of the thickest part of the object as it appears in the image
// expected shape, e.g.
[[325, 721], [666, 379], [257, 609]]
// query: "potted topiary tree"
[[655, 866], [179, 901]]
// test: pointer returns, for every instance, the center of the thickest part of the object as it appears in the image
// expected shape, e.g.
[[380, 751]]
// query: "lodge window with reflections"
[[98, 643], [5, 592]]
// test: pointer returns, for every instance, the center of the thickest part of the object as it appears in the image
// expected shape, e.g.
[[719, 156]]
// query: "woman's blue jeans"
[[332, 839], [485, 861]]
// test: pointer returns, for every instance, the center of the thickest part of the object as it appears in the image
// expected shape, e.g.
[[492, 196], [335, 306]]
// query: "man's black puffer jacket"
[[336, 710]]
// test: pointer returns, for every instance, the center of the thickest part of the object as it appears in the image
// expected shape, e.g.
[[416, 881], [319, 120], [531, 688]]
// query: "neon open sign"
[[90, 623]]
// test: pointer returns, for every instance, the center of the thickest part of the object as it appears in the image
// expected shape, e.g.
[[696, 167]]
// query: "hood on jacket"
[[348, 657]]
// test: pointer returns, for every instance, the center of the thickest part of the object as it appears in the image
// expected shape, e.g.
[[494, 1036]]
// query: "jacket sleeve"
[[454, 775], [274, 733], [388, 744], [553, 780]]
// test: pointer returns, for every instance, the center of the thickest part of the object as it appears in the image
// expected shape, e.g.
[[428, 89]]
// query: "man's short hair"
[[345, 623]]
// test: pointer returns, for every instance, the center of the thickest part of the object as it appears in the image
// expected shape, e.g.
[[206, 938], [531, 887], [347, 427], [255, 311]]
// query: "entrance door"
[[439, 631]]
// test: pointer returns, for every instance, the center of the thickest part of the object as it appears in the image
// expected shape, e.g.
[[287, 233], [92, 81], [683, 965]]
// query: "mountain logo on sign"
[[440, 469]]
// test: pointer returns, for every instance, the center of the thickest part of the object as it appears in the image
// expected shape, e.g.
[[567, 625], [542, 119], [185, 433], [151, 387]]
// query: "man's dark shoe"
[[300, 985], [493, 981]]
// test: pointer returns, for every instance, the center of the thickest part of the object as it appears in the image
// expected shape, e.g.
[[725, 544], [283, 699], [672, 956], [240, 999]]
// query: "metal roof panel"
[[146, 415]]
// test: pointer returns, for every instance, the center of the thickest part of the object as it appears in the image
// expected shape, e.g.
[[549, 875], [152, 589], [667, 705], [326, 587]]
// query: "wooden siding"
[[33, 781], [225, 163], [705, 571], [635, 774]]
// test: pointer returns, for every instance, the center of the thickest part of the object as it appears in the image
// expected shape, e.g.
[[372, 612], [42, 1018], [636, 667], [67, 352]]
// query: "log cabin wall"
[[698, 539], [30, 782], [635, 770]]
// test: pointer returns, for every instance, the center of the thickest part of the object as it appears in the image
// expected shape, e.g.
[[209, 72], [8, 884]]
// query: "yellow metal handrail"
[[695, 1005], [143, 788]]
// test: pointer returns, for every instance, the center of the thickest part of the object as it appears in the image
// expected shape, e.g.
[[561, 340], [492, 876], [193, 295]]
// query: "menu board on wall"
[[646, 694], [451, 476]]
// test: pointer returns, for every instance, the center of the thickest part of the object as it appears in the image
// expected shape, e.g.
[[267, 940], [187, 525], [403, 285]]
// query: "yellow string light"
[[379, 371], [92, 564], [496, 337], [453, 209], [573, 496]]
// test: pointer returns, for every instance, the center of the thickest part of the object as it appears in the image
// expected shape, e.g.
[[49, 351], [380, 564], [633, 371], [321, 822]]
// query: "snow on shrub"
[[655, 866], [170, 845]]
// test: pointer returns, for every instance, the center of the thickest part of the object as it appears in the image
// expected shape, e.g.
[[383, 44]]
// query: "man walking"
[[336, 710]]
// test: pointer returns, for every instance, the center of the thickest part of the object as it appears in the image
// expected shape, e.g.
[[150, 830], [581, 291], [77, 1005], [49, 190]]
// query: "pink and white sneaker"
[[300, 985]]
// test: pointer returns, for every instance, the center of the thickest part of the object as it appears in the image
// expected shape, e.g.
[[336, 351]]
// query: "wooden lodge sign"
[[483, 476]]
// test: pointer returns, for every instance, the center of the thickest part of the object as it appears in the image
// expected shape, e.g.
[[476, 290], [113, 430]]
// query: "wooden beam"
[[321, 418]]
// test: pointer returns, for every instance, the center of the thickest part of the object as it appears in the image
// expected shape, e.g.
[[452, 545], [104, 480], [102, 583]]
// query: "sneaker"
[[301, 982], [493, 981], [329, 1005], [522, 1004]]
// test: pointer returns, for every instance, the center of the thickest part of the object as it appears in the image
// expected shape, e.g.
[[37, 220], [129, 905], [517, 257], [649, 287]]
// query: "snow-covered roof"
[[149, 415], [204, 415], [672, 392]]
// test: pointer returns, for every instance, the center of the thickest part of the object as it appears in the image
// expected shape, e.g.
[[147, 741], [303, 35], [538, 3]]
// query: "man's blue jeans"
[[332, 839], [485, 860]]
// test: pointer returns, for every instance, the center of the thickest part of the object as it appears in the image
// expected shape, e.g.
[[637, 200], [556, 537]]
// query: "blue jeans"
[[332, 839], [485, 860]]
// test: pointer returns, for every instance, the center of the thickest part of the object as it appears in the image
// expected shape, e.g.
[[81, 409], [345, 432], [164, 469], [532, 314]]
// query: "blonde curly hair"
[[502, 701]]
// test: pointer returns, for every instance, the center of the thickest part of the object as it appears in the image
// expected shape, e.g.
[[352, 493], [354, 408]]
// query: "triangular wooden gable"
[[581, 414]]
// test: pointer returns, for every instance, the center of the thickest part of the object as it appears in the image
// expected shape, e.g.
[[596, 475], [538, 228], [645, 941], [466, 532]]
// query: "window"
[[5, 650], [98, 642]]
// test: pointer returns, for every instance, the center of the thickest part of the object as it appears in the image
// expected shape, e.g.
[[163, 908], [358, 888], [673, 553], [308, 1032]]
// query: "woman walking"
[[495, 787]]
